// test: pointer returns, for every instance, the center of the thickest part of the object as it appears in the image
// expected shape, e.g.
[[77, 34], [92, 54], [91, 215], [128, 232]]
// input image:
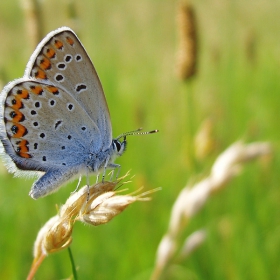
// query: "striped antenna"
[[136, 132]]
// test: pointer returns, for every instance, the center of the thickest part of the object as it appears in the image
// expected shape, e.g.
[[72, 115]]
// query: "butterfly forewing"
[[61, 59]]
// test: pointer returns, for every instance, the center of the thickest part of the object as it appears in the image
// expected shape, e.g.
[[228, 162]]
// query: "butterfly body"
[[55, 120]]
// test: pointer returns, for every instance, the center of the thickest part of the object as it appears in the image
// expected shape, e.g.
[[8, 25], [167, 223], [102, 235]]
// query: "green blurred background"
[[133, 45]]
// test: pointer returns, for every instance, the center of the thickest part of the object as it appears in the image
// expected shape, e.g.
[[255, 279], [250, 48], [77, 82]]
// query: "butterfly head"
[[119, 146]]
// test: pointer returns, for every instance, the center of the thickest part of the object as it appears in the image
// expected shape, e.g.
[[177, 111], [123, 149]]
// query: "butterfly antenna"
[[136, 132]]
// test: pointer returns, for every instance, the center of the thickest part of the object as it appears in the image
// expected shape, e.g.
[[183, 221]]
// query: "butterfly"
[[54, 121]]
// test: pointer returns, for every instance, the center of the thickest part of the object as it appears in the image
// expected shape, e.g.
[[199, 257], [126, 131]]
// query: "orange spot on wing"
[[58, 44], [50, 53], [45, 64], [53, 90], [18, 116], [23, 93], [36, 89], [18, 130], [16, 103], [70, 41], [40, 74], [23, 146], [24, 155]]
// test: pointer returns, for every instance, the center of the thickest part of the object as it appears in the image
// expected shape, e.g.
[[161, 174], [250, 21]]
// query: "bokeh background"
[[235, 93]]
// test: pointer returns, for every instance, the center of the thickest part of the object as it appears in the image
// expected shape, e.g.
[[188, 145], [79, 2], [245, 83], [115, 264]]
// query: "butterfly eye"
[[117, 145]]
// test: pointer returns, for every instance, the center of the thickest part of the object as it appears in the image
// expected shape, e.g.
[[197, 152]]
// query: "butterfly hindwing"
[[46, 125]]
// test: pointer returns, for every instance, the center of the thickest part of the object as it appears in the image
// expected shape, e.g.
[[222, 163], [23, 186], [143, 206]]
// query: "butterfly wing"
[[62, 60], [45, 127]]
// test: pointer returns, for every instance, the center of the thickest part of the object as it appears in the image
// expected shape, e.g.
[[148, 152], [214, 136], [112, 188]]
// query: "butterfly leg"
[[104, 173], [51, 181], [104, 170]]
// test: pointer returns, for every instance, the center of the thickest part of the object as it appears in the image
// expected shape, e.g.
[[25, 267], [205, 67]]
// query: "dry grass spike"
[[187, 52]]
